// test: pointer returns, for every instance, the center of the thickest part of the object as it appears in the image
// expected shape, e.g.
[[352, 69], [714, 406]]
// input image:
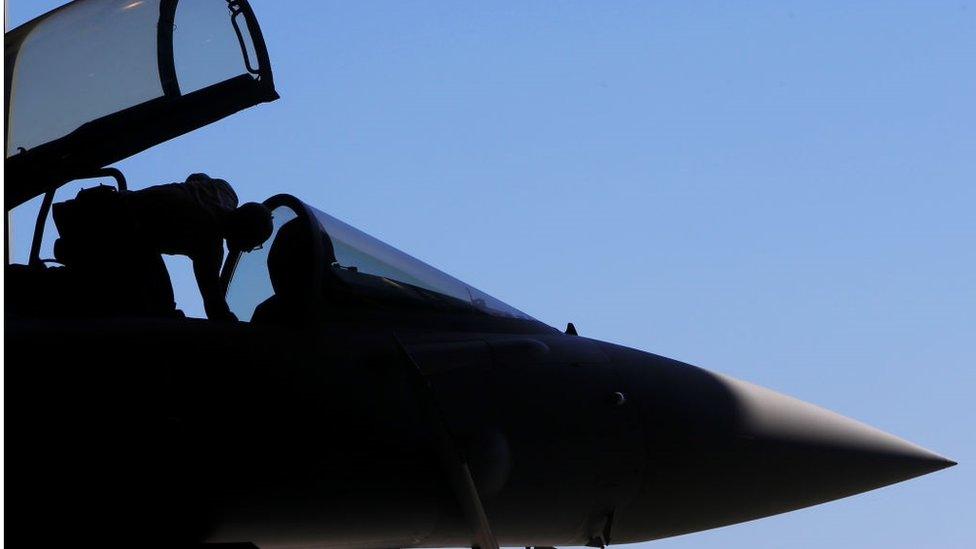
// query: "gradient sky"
[[780, 191]]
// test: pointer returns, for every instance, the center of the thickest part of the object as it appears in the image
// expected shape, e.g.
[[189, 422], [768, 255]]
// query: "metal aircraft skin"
[[365, 399]]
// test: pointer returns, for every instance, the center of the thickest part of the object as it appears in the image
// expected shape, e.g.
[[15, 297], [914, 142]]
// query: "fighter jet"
[[365, 398]]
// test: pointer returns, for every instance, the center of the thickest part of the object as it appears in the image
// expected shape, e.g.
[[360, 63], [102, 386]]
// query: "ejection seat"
[[94, 271], [291, 268]]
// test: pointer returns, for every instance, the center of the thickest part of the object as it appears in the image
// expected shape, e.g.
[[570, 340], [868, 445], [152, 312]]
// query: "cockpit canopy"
[[357, 250], [96, 81], [344, 260]]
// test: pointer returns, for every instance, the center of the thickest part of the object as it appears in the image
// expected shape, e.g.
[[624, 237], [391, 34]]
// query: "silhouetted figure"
[[291, 268], [121, 235]]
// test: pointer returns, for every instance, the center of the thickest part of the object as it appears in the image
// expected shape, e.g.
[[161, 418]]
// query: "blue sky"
[[779, 191]]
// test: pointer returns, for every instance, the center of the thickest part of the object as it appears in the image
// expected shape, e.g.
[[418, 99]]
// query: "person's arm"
[[206, 269]]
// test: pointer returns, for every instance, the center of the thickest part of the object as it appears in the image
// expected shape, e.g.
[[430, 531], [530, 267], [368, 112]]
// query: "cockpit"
[[97, 81], [314, 263]]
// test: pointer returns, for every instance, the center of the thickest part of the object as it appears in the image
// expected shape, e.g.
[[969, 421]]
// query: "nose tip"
[[863, 457], [723, 451]]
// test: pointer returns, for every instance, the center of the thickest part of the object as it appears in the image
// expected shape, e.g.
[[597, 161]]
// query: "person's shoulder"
[[204, 180], [219, 188], [227, 193]]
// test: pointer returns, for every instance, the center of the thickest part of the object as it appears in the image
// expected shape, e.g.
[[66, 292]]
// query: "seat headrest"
[[291, 261]]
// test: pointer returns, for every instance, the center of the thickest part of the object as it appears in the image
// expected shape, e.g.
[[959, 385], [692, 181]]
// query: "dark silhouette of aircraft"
[[365, 399]]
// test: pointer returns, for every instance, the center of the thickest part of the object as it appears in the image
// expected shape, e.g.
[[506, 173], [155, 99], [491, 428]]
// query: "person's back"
[[183, 218], [192, 219]]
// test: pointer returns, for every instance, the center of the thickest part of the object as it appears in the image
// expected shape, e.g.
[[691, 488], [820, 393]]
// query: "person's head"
[[248, 226]]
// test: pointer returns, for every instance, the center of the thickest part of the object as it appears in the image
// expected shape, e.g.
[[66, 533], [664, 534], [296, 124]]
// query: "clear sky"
[[780, 191]]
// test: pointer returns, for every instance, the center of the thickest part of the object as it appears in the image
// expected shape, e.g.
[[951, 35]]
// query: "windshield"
[[356, 250], [271, 281]]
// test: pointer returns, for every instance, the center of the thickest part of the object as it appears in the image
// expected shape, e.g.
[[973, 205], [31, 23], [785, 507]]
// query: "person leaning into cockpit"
[[192, 219], [114, 242]]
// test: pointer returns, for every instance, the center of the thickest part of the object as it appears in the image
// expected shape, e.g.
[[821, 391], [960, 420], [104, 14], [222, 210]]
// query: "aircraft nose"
[[722, 451], [875, 456]]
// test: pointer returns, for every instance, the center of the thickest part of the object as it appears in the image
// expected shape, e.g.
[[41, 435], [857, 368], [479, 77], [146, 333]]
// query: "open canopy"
[[96, 81]]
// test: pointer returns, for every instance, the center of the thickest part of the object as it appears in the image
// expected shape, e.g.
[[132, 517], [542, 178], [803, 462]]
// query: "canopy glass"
[[360, 265], [367, 255], [96, 81]]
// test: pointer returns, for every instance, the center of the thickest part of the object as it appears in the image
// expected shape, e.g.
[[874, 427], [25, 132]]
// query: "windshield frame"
[[234, 256]]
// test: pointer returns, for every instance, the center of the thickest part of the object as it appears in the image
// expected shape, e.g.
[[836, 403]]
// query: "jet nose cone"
[[850, 456], [723, 451]]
